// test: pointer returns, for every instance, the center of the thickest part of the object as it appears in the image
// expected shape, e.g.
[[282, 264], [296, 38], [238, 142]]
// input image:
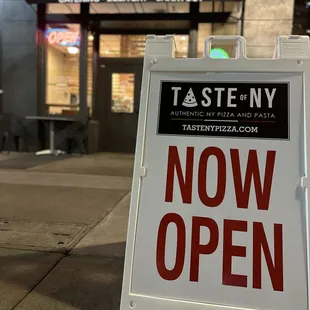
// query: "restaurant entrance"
[[118, 85], [90, 58], [117, 104]]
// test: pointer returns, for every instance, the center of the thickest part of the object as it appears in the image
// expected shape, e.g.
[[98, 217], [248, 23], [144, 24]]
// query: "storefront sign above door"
[[120, 1], [111, 1], [62, 36]]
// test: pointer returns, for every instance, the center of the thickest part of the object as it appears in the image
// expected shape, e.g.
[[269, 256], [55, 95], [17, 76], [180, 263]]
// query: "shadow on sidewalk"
[[81, 282]]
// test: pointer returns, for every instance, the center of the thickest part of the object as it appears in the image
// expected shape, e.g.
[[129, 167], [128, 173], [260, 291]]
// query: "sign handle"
[[237, 41]]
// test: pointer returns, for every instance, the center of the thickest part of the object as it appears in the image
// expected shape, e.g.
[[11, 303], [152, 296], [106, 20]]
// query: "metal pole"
[[52, 136], [41, 59], [96, 51], [193, 33], [213, 9], [83, 58], [242, 18], [41, 70]]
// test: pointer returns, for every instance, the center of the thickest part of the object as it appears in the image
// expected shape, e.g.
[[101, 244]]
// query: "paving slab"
[[39, 235], [6, 156], [108, 238], [81, 283], [29, 160], [20, 272], [98, 164], [56, 204], [64, 179]]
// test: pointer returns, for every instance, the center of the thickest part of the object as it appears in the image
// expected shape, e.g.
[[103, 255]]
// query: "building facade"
[[85, 60]]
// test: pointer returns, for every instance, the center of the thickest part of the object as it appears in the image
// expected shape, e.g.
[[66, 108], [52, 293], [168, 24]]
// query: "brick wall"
[[264, 21]]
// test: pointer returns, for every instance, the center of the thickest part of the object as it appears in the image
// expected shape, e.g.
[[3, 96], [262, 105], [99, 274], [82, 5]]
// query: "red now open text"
[[242, 188]]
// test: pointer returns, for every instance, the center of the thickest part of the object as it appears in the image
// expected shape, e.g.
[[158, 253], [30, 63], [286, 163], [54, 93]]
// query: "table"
[[51, 121]]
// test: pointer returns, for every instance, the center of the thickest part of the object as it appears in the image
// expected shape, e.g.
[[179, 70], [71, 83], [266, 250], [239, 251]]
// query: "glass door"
[[117, 104]]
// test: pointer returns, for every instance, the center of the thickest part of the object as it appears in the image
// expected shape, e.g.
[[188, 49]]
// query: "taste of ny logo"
[[255, 96]]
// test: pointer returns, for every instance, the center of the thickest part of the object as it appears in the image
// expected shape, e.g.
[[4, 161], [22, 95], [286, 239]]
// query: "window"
[[122, 46], [123, 87], [128, 46], [138, 7], [66, 8], [62, 91], [220, 6]]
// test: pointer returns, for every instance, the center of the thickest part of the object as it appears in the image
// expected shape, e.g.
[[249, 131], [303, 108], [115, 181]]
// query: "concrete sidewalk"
[[62, 235]]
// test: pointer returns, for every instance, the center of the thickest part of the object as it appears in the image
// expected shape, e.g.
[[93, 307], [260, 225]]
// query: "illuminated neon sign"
[[219, 53], [62, 36]]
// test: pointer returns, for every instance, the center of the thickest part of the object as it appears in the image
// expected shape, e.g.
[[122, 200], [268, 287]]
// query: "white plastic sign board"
[[219, 209]]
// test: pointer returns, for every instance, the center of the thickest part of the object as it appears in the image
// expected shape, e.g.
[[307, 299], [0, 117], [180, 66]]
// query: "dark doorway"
[[117, 105]]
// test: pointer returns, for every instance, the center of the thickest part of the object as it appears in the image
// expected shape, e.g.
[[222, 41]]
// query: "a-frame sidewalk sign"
[[219, 213]]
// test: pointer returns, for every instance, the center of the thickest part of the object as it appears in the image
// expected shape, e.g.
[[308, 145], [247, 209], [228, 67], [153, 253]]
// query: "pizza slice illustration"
[[190, 100]]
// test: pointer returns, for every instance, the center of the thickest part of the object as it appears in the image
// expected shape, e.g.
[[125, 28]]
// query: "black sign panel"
[[249, 110]]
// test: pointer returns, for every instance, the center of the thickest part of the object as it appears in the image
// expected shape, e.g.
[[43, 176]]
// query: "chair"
[[12, 130], [76, 131]]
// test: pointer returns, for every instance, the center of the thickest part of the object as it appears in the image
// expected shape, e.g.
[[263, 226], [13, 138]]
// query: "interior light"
[[90, 37], [183, 38], [73, 50], [107, 52], [219, 53]]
